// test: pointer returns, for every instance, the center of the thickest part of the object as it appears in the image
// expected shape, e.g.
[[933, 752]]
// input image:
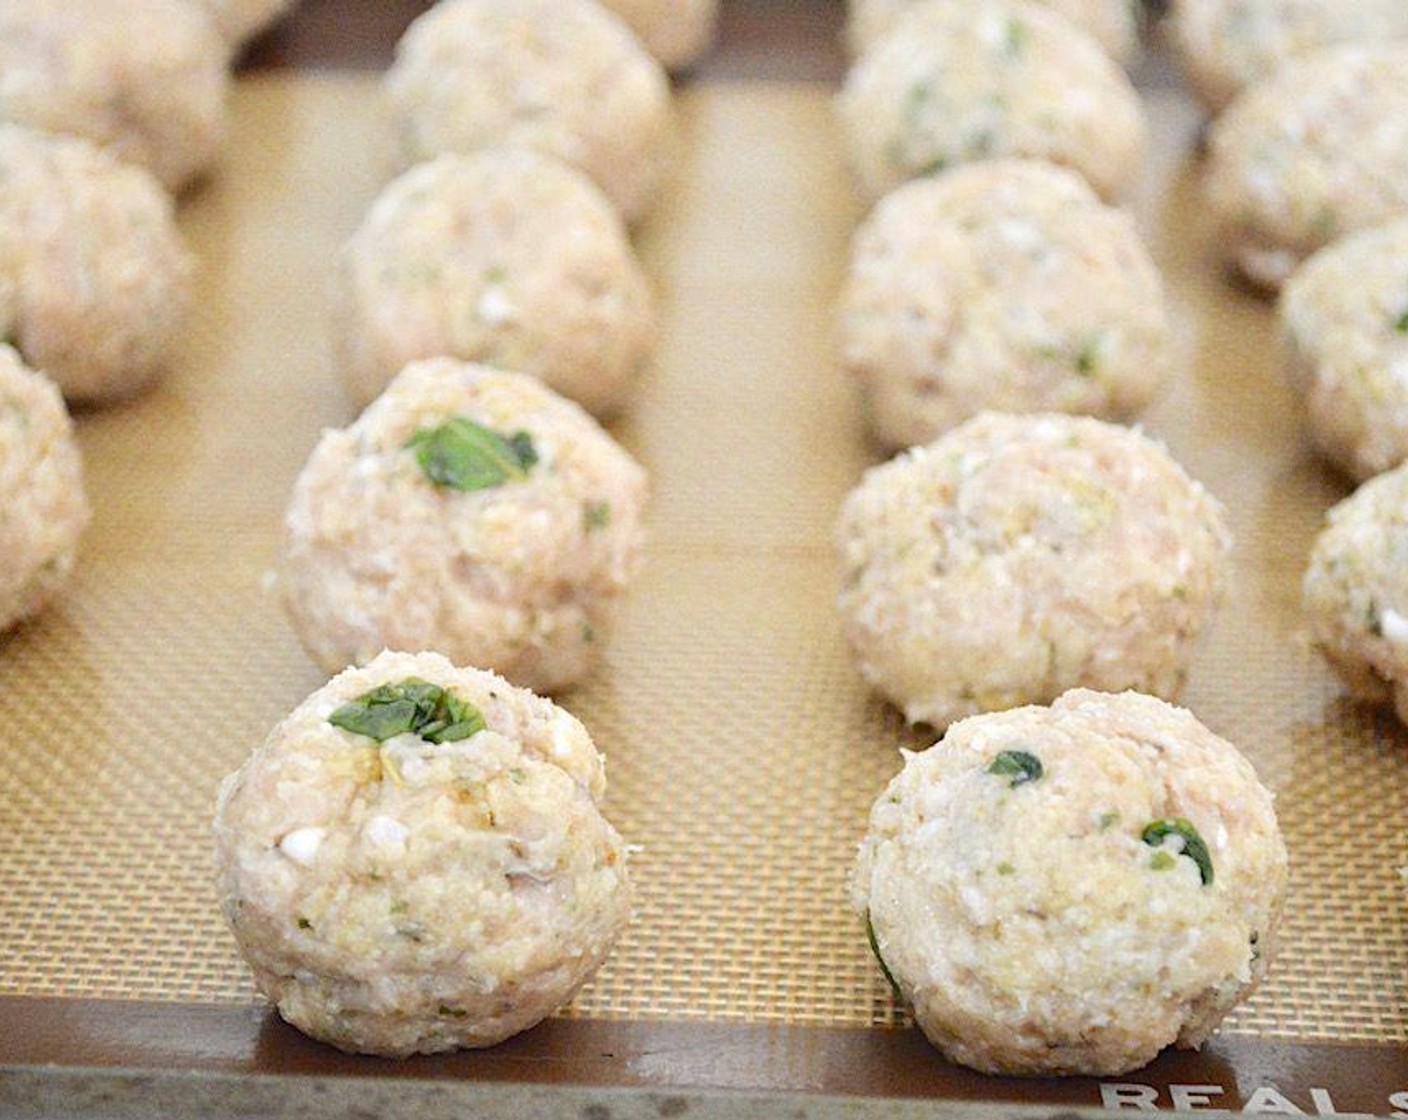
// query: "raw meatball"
[[1356, 590], [467, 511], [563, 77], [1318, 151], [1020, 556], [43, 510], [1002, 285], [1345, 318], [963, 80], [241, 20], [1113, 23], [676, 32], [1224, 46], [506, 257], [415, 859], [1071, 889], [145, 78], [96, 278]]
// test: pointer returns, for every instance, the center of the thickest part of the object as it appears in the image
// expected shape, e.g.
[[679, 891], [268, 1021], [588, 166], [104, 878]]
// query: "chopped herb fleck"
[[1401, 326], [1019, 765], [1015, 41], [466, 456], [453, 1012], [980, 144], [1193, 845], [1375, 623], [1163, 861], [304, 923], [933, 166], [1088, 360], [411, 705], [875, 948], [595, 515], [1006, 868], [1108, 820], [400, 907]]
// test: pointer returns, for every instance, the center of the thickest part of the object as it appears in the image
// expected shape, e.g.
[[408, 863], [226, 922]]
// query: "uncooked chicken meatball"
[[1000, 285], [1356, 590], [1225, 46], [1344, 314], [504, 257], [43, 511], [961, 80], [561, 77], [1068, 890], [676, 32], [1113, 23], [1315, 153], [415, 859], [1020, 556], [96, 276], [471, 512], [145, 78]]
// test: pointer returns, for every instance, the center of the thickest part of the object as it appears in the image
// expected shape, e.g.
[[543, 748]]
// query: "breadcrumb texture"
[[43, 510], [409, 897], [1344, 316], [524, 578], [95, 277], [961, 80], [562, 77], [1225, 46], [1000, 285], [1356, 590], [1029, 924], [1020, 556], [1113, 23], [1310, 155], [145, 78], [504, 257]]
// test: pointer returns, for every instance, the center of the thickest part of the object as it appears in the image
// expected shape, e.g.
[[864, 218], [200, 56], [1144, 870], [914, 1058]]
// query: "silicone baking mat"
[[743, 750]]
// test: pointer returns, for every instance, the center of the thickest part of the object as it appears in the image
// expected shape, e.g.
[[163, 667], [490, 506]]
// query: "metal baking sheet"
[[743, 750]]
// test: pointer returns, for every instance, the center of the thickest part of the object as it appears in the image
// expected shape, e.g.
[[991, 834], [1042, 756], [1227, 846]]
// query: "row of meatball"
[[415, 860], [147, 79], [1036, 919], [102, 106], [1311, 147]]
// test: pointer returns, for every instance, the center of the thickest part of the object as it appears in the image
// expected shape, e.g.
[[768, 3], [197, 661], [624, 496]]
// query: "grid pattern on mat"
[[743, 750]]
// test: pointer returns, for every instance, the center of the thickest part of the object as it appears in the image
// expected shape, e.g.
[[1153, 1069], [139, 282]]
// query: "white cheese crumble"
[[1395, 626], [387, 832], [562, 737], [302, 844], [495, 308]]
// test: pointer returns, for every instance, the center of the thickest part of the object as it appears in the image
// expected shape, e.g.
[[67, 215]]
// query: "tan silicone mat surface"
[[744, 751]]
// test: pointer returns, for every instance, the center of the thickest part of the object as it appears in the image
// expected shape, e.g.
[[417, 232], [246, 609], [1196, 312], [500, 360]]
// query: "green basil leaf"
[[875, 948], [1019, 765], [1193, 845], [595, 516], [411, 705], [466, 456]]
